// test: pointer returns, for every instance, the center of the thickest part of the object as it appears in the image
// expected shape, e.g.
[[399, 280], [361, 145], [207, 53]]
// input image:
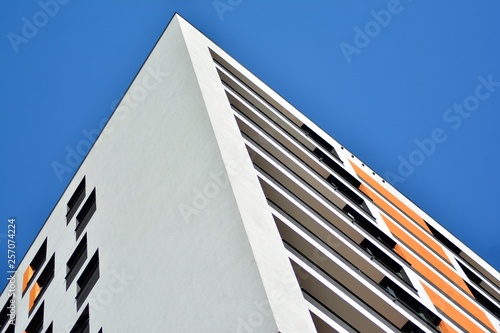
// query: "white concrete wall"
[[282, 290], [173, 247]]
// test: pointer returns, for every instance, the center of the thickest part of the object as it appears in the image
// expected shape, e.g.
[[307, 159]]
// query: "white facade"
[[214, 213]]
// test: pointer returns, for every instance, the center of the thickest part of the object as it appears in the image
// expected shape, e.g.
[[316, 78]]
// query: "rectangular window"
[[410, 303], [35, 265], [484, 301], [76, 261], [337, 168], [369, 227], [88, 279], [346, 191], [5, 316], [385, 260], [75, 200], [470, 274], [42, 283], [446, 242], [410, 327], [82, 325], [10, 329], [83, 217], [319, 140], [36, 323]]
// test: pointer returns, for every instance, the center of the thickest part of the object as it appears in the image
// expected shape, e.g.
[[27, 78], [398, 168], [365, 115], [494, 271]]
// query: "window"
[[36, 324], [319, 140], [470, 274], [75, 200], [42, 283], [50, 329], [34, 266], [5, 316], [385, 260], [345, 190], [337, 168], [369, 227], [446, 242], [88, 279], [82, 324], [410, 327], [474, 278], [484, 301], [76, 261], [409, 302], [85, 214]]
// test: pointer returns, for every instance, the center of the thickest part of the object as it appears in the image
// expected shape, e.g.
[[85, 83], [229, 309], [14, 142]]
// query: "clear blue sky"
[[382, 77]]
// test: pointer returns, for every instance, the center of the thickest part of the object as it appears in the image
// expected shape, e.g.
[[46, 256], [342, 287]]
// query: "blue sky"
[[412, 88]]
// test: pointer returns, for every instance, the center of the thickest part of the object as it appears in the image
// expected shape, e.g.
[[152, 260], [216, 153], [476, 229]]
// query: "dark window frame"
[[36, 264], [445, 241], [86, 213], [320, 141], [50, 329], [36, 323], [75, 200], [5, 316], [44, 280], [76, 261], [337, 168], [400, 295], [386, 261], [410, 327], [82, 324], [87, 279], [347, 192], [369, 227], [484, 301]]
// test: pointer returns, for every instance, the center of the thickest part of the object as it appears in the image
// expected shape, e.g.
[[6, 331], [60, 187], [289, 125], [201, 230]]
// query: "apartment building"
[[210, 204]]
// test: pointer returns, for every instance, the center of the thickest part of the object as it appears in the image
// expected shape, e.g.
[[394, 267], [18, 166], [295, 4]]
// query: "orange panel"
[[389, 196], [28, 274], [35, 291], [426, 254], [451, 311], [445, 287], [445, 328], [399, 250], [425, 238]]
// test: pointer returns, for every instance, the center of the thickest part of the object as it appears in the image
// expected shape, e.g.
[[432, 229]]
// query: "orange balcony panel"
[[426, 254], [28, 274], [451, 311], [389, 196], [35, 291], [399, 250], [446, 328], [446, 288], [425, 238]]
